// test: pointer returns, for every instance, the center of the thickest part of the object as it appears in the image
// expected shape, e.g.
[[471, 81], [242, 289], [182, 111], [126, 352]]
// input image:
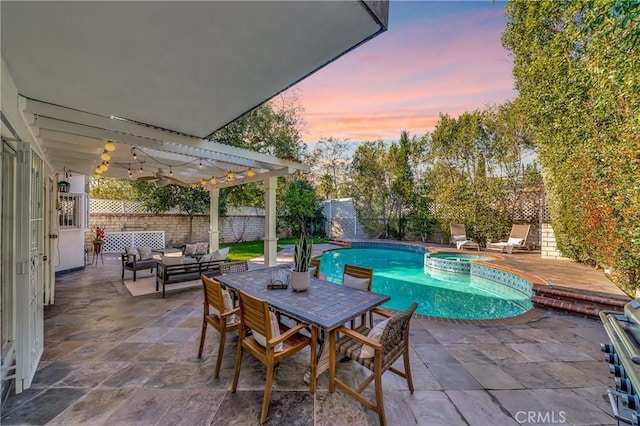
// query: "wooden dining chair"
[[281, 342], [218, 311], [315, 263], [387, 341], [360, 278]]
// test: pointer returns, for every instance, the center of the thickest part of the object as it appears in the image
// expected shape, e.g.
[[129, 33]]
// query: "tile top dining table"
[[324, 305]]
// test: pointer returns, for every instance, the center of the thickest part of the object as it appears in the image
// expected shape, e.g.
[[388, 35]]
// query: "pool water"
[[459, 256], [402, 276]]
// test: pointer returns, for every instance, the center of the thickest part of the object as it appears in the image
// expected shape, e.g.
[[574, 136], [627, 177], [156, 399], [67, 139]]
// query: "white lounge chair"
[[459, 237], [517, 240]]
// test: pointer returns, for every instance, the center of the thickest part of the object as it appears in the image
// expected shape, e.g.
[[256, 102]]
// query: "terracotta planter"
[[300, 281]]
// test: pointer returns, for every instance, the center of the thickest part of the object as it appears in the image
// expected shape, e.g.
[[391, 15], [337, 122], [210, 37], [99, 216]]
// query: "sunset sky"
[[435, 57]]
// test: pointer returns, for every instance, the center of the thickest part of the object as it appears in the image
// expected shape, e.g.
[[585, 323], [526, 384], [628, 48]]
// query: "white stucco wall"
[[69, 248]]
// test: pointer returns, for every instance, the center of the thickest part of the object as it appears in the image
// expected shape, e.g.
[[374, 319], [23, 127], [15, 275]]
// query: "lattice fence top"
[[122, 206], [116, 242], [135, 207]]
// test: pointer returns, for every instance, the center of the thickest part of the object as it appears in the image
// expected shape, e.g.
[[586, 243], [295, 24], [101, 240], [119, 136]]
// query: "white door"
[[29, 265]]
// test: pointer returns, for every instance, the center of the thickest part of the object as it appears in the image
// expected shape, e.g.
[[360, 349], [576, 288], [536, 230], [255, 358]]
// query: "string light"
[[230, 175], [200, 164], [135, 156], [194, 185], [203, 182], [170, 172], [103, 167], [212, 180], [140, 169], [129, 170], [98, 170], [110, 146], [105, 155], [250, 173]]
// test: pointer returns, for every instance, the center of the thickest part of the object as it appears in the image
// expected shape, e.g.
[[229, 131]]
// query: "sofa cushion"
[[190, 249], [131, 251], [207, 257], [171, 260], [145, 253], [202, 248], [221, 254]]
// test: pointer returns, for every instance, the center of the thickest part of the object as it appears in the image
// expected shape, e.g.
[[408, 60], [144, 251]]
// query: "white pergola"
[[161, 77]]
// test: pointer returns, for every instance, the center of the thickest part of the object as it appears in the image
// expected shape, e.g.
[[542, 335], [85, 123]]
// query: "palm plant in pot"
[[300, 277]]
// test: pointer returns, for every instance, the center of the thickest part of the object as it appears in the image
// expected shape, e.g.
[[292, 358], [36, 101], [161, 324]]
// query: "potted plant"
[[300, 277], [98, 240]]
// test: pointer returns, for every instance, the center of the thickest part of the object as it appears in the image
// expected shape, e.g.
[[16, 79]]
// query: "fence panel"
[[116, 242]]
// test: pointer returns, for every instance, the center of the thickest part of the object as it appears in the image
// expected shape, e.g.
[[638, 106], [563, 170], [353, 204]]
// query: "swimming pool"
[[402, 275]]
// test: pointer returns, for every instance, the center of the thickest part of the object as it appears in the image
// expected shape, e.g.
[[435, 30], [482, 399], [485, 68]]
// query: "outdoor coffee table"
[[325, 305]]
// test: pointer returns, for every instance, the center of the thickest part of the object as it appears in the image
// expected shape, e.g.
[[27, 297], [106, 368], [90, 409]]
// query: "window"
[[69, 211]]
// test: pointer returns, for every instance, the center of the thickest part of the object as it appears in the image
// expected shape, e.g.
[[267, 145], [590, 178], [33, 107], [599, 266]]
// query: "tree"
[[301, 207], [116, 189], [189, 200], [329, 164], [402, 185], [575, 65]]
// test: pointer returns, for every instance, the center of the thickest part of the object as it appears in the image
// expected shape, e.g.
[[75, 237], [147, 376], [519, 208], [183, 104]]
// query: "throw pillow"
[[228, 305], [190, 249], [207, 257], [171, 260], [515, 241], [221, 254], [202, 248], [374, 334], [131, 250], [353, 282], [145, 253], [275, 330]]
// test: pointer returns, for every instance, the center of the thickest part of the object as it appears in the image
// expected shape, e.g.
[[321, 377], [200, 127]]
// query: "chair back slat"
[[396, 333], [520, 231], [358, 271], [254, 314], [458, 229], [233, 267], [212, 294]]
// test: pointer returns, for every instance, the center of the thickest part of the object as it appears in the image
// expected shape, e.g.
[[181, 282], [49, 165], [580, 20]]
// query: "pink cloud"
[[403, 78]]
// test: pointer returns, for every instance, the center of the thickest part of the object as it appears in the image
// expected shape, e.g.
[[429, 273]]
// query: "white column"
[[214, 233], [270, 240]]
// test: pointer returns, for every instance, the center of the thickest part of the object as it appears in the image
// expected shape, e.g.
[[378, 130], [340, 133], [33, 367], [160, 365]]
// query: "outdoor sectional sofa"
[[170, 273]]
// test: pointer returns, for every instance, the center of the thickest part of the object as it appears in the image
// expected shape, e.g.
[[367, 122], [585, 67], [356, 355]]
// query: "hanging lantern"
[[63, 186]]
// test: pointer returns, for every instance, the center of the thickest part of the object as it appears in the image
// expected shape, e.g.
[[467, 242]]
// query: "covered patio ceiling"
[[163, 76]]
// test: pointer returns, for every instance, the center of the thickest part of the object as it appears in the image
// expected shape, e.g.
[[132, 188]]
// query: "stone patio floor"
[[114, 359]]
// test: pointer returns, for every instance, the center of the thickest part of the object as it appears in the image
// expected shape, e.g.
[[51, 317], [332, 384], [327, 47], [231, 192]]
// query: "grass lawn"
[[250, 249]]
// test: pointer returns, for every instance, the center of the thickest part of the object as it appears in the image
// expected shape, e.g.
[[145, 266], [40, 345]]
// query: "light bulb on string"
[[140, 169], [105, 155], [230, 175], [110, 146], [98, 170], [250, 173], [129, 170], [203, 182], [212, 180], [135, 156], [170, 172], [200, 164], [194, 185]]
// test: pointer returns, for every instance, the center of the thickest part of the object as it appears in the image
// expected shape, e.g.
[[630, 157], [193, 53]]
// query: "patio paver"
[[111, 358]]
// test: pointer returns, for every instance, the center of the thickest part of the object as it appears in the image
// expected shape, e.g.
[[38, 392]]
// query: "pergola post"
[[270, 239], [214, 233]]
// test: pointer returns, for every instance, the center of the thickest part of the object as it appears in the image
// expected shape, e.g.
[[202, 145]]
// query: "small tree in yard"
[[189, 200], [300, 206]]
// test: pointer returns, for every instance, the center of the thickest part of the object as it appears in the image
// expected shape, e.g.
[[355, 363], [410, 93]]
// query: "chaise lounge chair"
[[459, 237], [517, 240]]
